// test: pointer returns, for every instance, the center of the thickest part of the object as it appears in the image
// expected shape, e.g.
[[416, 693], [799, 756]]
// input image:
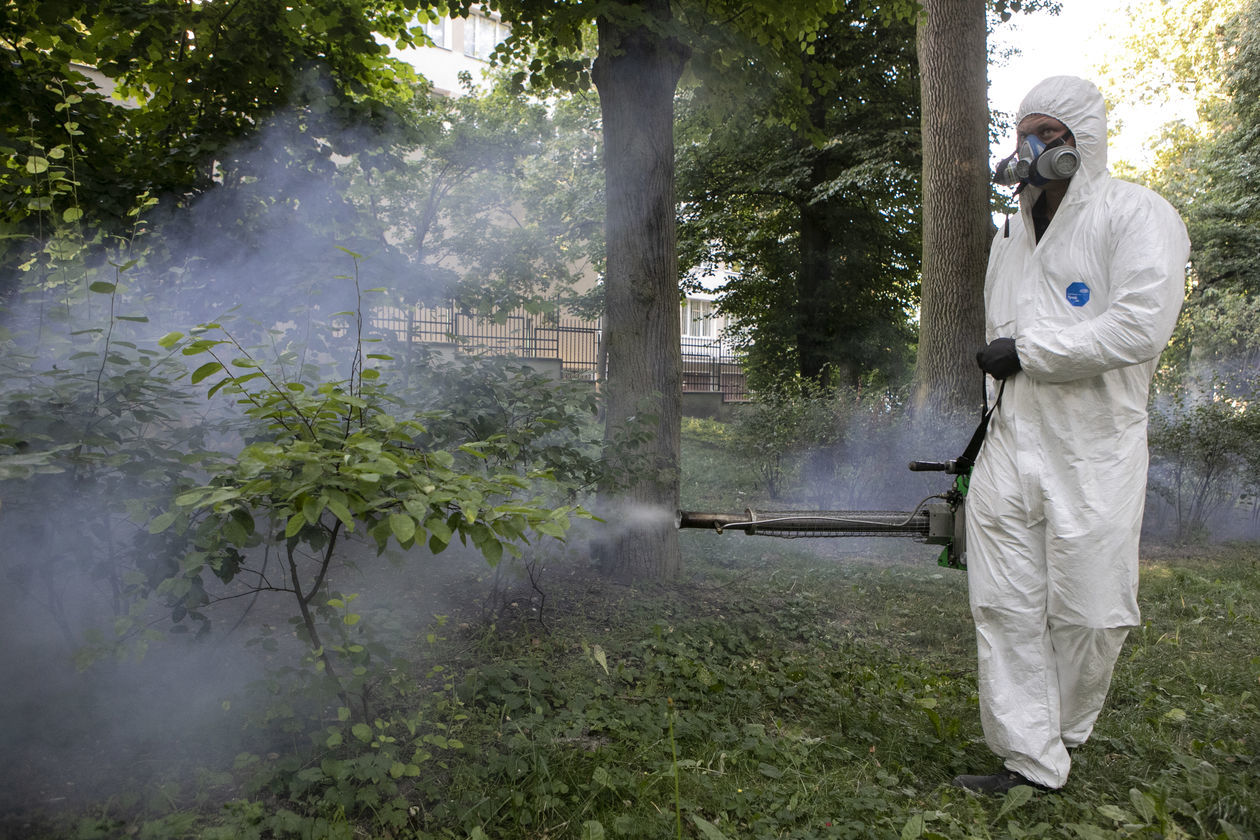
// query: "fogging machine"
[[940, 519]]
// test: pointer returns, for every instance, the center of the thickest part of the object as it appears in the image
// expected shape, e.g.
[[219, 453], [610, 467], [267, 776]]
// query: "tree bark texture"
[[956, 220], [636, 74], [816, 292]]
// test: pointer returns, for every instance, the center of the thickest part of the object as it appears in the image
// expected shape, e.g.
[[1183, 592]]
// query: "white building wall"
[[460, 45]]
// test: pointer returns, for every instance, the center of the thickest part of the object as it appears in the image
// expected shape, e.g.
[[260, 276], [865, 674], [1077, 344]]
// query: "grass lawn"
[[782, 689]]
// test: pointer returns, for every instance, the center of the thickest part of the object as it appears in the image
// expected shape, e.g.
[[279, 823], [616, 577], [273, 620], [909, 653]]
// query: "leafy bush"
[[301, 461], [524, 421], [1203, 458], [793, 435], [839, 449], [92, 442]]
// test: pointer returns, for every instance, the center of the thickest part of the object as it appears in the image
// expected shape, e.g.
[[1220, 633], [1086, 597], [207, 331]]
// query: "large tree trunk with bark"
[[636, 74], [816, 293], [956, 220], [814, 287]]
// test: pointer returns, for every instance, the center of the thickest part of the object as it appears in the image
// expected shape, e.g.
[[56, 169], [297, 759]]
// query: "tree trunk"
[[636, 74], [816, 295], [956, 220], [815, 288]]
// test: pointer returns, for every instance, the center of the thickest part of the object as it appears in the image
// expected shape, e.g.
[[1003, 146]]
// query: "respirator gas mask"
[[1037, 163]]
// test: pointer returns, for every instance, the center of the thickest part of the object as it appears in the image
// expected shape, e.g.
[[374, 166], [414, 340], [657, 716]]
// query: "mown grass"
[[783, 689], [808, 700]]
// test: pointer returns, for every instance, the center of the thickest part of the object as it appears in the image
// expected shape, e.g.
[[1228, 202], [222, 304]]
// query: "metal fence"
[[709, 365]]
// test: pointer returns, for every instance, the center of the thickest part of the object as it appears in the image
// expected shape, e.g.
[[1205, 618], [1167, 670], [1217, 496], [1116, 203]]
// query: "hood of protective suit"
[[1078, 104]]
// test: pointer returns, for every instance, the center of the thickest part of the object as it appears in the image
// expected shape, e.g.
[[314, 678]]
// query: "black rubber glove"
[[999, 359]]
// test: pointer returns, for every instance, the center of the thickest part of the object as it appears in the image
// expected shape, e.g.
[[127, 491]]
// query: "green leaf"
[[440, 528], [208, 369], [216, 387], [36, 165], [312, 508], [1113, 812], [403, 526], [361, 731], [201, 345], [1232, 832], [192, 498], [71, 214], [162, 522], [296, 523], [471, 449], [1144, 804], [1016, 798], [342, 512], [102, 288], [711, 831], [169, 340], [598, 653], [913, 828], [551, 529], [492, 549]]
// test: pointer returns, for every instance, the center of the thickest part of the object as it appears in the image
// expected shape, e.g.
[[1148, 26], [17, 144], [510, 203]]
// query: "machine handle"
[[954, 466]]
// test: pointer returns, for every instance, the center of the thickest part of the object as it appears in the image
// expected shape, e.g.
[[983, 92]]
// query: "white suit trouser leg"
[[1045, 662]]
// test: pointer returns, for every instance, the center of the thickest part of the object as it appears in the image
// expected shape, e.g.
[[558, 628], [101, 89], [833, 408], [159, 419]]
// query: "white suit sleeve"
[[1147, 266]]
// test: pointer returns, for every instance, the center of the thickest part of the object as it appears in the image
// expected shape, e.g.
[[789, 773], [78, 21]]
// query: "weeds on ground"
[[773, 696]]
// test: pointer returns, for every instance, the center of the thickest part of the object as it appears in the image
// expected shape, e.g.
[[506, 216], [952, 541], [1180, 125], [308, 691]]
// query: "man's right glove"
[[999, 359]]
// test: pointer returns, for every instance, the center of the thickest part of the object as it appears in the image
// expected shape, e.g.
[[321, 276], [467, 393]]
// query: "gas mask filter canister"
[[1037, 163]]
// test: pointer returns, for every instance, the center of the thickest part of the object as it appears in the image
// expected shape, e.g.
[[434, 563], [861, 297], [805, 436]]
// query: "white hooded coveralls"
[[1056, 497]]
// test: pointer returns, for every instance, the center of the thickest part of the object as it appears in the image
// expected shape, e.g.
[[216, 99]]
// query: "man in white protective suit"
[[1081, 296]]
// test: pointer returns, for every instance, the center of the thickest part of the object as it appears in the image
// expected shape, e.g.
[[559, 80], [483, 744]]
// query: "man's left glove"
[[999, 359]]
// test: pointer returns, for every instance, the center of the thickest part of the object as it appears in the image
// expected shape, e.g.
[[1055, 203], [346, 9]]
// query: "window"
[[697, 318], [482, 35], [440, 33]]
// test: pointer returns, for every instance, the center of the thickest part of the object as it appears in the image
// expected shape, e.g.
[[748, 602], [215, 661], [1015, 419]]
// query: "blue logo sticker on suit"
[[1078, 294]]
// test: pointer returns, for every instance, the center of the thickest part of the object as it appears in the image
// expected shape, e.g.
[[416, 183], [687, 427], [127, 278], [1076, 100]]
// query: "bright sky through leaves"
[[1074, 42]]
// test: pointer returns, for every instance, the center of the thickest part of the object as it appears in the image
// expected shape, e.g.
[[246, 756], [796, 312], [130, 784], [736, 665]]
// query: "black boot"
[[997, 783]]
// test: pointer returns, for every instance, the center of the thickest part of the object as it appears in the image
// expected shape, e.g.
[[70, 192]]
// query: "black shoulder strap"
[[968, 459]]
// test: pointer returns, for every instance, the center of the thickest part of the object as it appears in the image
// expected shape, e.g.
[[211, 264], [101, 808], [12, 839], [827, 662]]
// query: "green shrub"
[[1203, 454]]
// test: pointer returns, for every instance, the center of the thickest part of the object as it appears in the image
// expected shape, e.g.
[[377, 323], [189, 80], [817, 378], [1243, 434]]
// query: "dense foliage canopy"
[[824, 233], [150, 98], [1205, 164]]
